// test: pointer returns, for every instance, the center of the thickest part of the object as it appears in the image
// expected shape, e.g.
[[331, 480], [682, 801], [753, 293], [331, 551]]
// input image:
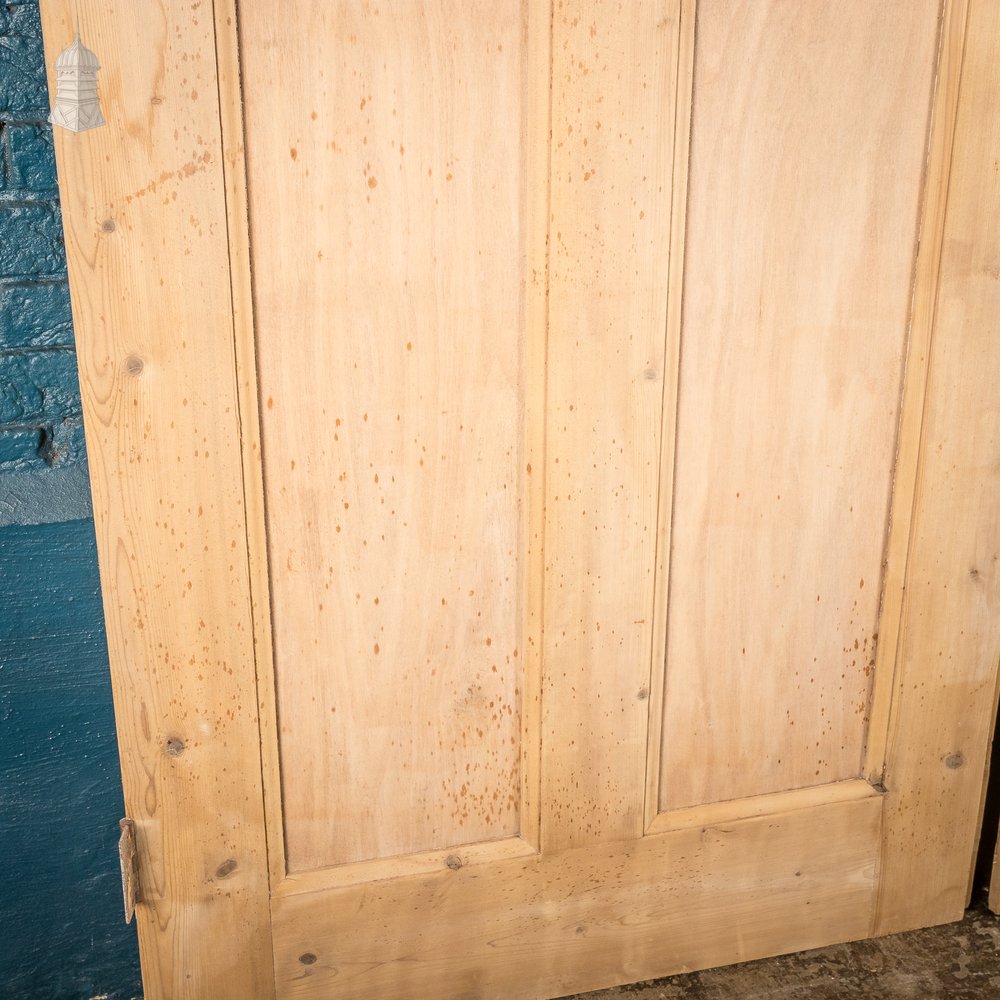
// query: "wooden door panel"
[[555, 283], [389, 168], [808, 142]]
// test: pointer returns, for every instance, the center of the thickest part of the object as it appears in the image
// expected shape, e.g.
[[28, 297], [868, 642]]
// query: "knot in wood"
[[227, 868]]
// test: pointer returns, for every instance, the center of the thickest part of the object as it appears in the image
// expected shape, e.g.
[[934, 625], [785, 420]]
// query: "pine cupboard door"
[[545, 467]]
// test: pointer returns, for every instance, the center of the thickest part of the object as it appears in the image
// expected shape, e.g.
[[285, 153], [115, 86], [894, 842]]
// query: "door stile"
[[946, 676], [613, 105], [923, 310], [149, 272]]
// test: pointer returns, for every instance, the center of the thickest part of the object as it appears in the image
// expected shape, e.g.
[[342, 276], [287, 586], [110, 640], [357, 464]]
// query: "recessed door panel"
[[387, 168], [808, 146]]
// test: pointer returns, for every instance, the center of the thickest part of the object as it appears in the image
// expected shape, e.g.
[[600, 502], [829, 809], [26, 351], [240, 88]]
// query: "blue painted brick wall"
[[60, 793], [39, 393]]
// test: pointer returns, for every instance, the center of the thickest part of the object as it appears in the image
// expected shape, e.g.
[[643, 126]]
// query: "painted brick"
[[62, 442], [38, 387], [19, 449], [35, 316], [20, 19], [31, 157], [40, 447], [23, 91], [31, 240], [4, 169], [60, 795]]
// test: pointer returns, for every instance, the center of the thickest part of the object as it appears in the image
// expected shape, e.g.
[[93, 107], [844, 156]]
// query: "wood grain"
[[538, 139], [592, 916], [143, 207], [946, 676], [614, 75], [390, 293], [807, 152], [922, 316], [240, 275]]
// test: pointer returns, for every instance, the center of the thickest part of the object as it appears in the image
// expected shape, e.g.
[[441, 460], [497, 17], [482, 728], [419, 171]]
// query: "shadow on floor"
[[958, 961]]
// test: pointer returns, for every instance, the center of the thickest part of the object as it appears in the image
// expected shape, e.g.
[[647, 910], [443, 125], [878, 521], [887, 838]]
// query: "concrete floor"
[[958, 961]]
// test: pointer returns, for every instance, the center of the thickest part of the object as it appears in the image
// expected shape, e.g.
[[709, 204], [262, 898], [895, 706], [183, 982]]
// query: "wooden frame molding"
[[772, 804], [671, 382], [231, 121]]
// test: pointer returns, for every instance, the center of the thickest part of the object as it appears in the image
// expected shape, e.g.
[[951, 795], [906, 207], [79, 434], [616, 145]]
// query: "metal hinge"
[[129, 859]]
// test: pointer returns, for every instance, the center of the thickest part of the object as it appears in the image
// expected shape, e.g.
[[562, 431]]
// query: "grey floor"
[[959, 961]]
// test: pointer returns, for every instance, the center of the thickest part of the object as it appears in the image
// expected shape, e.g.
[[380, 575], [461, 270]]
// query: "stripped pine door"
[[544, 465]]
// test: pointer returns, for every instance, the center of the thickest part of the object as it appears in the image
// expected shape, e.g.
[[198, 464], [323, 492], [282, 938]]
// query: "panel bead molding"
[[144, 210]]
